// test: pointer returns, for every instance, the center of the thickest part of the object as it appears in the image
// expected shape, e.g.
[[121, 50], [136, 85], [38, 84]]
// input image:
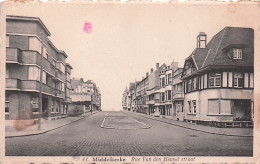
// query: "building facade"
[[30, 54], [85, 95], [215, 86], [219, 78]]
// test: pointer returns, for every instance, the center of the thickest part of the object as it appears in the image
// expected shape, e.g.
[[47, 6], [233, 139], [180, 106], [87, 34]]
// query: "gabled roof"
[[215, 51]]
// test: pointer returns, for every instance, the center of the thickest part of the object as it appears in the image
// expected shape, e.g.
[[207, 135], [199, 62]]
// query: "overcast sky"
[[128, 40]]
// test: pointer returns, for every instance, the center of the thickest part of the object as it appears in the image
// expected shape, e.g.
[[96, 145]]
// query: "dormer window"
[[237, 53]]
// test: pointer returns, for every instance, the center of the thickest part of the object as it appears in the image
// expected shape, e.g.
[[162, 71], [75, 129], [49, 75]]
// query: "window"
[[237, 53], [162, 96], [238, 80], [169, 78], [52, 106], [225, 106], [62, 67], [34, 73], [163, 81], [57, 106], [45, 52], [44, 77], [34, 44], [62, 87], [53, 62], [6, 73], [214, 79], [189, 106], [189, 86], [7, 41], [213, 106], [194, 106], [35, 104], [169, 95], [7, 107]]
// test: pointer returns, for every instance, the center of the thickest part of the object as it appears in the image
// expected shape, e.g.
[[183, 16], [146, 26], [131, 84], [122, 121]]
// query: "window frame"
[[214, 79], [235, 84], [237, 53]]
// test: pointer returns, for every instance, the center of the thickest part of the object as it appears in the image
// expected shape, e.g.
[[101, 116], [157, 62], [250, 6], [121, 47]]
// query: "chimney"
[[147, 74], [151, 70], [157, 66], [201, 40]]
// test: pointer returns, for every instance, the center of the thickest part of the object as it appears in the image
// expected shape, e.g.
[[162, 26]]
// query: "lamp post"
[[40, 93]]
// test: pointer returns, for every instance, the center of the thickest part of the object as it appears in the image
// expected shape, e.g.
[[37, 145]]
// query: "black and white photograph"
[[129, 82]]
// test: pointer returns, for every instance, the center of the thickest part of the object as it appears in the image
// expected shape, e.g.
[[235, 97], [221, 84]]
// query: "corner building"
[[219, 79], [26, 42]]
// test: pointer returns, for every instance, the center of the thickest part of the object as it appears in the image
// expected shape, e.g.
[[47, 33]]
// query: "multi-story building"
[[68, 89], [141, 95], [177, 95], [165, 103], [153, 89], [85, 95], [219, 78], [28, 49], [124, 99]]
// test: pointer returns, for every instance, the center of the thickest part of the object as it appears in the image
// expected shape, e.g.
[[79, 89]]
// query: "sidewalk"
[[242, 132], [46, 126]]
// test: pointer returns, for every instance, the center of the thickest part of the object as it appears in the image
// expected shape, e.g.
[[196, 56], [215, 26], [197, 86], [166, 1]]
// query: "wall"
[[202, 97]]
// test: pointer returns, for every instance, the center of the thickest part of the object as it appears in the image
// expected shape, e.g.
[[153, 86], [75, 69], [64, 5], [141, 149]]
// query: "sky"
[[127, 40]]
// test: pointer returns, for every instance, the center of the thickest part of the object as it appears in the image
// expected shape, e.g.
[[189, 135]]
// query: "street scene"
[[128, 134], [156, 80]]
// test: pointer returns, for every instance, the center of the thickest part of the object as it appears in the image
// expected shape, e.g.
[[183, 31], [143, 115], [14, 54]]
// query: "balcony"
[[12, 84], [178, 96], [13, 55], [59, 76], [33, 85]]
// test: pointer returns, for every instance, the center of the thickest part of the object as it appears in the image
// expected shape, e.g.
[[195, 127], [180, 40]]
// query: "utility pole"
[[40, 93]]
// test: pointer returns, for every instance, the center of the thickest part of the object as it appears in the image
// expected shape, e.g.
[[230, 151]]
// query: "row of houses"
[[214, 86], [37, 70]]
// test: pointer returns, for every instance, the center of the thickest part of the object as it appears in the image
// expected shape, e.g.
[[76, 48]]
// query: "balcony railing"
[[178, 95], [34, 85], [13, 55], [12, 83]]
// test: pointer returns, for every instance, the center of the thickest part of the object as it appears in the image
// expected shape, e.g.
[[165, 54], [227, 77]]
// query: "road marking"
[[108, 127]]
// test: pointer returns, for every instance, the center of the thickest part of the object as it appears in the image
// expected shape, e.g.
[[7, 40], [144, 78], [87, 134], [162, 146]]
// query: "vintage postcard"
[[129, 82]]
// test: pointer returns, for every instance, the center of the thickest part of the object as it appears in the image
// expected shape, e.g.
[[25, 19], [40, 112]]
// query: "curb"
[[192, 128], [46, 131]]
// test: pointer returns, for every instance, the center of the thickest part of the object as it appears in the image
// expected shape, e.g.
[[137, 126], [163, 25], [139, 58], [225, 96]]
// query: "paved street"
[[127, 135]]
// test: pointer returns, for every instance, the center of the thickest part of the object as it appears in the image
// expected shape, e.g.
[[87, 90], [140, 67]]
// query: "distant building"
[[26, 42], [85, 95], [219, 78]]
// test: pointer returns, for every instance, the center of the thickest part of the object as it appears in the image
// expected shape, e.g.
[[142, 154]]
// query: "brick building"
[[27, 43]]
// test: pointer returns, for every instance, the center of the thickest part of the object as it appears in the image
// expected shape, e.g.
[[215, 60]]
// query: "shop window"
[[225, 106], [57, 106], [52, 106], [213, 106], [214, 79], [35, 104], [238, 80], [237, 53]]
